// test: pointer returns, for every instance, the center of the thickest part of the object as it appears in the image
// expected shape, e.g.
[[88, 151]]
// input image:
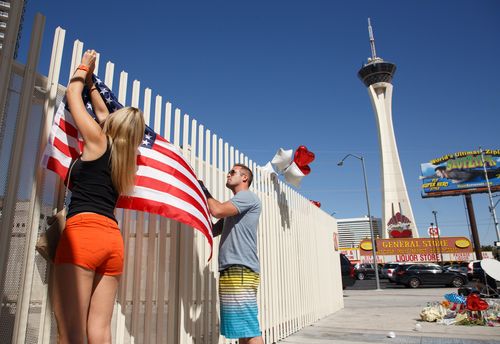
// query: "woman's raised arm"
[[90, 130]]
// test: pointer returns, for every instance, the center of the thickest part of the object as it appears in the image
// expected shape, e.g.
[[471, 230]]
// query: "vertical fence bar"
[[122, 94], [147, 106], [139, 232], [150, 266], [210, 280], [76, 57], [162, 247], [168, 121], [27, 88], [109, 73], [151, 245], [125, 228], [157, 122], [186, 262], [197, 141], [160, 300], [48, 113], [173, 289]]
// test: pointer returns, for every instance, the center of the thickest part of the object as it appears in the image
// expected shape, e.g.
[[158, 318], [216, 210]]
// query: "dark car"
[[415, 275], [457, 267], [364, 270], [476, 273], [388, 269], [347, 270]]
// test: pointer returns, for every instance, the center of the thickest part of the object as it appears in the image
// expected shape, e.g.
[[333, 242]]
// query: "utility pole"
[[438, 236], [492, 206]]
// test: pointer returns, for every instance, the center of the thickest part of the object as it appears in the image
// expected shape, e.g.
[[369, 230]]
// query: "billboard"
[[461, 173]]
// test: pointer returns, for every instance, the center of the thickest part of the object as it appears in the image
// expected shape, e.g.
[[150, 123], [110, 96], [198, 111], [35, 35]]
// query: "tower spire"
[[372, 40]]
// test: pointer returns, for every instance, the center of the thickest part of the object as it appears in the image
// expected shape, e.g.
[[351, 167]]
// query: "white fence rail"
[[168, 293]]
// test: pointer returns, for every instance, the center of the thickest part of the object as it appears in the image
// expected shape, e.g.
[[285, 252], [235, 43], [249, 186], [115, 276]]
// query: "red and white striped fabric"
[[165, 185]]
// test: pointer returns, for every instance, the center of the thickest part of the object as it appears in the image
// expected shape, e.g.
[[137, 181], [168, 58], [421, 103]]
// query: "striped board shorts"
[[238, 302]]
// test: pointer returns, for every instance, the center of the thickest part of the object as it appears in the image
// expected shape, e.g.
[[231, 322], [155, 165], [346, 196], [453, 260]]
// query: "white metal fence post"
[[23, 114]]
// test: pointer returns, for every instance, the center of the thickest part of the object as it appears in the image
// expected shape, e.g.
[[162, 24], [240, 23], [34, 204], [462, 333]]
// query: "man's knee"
[[253, 340]]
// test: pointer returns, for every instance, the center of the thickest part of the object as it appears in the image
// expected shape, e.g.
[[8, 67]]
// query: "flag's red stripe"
[[67, 127], [64, 148], [157, 185], [55, 165], [166, 210], [175, 156], [158, 165]]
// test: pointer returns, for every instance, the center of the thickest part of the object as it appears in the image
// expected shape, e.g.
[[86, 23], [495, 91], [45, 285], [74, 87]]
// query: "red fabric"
[[475, 303]]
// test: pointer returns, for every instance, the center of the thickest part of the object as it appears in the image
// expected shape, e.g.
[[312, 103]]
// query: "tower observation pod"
[[397, 219]]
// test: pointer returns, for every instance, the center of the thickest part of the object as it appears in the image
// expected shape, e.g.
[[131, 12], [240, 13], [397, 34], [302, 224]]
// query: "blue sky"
[[271, 74]]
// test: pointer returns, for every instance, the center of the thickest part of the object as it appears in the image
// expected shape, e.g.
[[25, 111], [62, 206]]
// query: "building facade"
[[6, 20], [353, 230]]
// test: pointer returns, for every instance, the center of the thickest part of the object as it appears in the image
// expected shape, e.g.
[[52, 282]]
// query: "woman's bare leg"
[[72, 293], [101, 309]]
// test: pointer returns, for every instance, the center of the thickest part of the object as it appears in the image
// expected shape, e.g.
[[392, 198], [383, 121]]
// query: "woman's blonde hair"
[[125, 130]]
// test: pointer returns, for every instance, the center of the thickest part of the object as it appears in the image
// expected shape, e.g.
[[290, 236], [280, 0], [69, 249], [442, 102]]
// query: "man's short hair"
[[248, 172]]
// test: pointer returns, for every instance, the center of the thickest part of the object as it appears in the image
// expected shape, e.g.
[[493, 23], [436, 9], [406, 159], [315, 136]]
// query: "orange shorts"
[[93, 242]]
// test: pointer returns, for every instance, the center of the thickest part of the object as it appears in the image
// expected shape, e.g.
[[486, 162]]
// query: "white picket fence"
[[168, 293]]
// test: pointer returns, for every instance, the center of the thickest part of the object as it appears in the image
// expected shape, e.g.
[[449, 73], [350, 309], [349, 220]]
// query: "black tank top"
[[92, 189]]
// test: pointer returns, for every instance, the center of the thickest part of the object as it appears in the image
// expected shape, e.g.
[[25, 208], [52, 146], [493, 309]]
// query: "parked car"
[[392, 277], [415, 275], [388, 269], [364, 270], [476, 273], [347, 269], [463, 269]]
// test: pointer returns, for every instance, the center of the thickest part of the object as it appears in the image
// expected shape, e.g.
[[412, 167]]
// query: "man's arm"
[[218, 209], [217, 228]]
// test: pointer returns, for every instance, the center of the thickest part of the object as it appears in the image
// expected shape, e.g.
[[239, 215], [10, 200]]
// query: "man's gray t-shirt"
[[238, 244]]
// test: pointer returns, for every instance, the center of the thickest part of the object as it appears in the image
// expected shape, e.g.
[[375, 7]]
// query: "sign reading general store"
[[417, 246]]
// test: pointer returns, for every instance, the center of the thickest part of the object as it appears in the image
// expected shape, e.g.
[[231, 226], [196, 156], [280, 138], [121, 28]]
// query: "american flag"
[[165, 184]]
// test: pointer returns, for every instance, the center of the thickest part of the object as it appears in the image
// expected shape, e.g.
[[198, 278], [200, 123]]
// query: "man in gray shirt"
[[238, 260]]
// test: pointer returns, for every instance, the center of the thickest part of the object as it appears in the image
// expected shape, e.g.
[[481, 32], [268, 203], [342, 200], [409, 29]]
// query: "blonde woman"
[[89, 257]]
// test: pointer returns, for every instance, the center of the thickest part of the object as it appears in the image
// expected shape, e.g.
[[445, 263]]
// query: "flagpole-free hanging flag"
[[165, 184], [293, 166]]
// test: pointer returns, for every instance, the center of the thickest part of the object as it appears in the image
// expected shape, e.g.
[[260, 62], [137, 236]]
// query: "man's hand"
[[205, 190]]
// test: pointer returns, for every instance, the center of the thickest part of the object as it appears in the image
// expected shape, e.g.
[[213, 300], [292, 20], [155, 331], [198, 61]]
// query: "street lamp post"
[[439, 236], [341, 162]]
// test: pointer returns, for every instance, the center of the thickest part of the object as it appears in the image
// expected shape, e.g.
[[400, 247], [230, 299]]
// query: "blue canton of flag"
[[113, 104]]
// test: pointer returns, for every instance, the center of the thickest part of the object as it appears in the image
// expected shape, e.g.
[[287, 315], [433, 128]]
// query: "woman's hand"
[[88, 60]]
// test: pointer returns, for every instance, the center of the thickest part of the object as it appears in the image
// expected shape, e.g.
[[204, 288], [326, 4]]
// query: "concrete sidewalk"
[[370, 315]]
